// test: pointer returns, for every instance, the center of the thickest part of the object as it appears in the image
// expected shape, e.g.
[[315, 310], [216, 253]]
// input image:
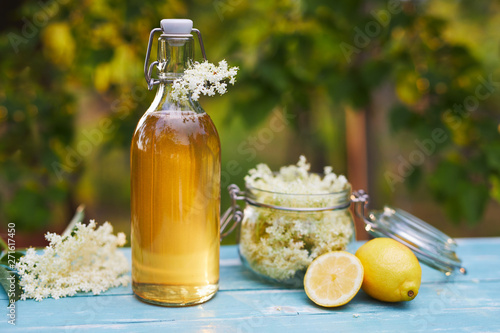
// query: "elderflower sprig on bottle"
[[87, 260], [204, 79]]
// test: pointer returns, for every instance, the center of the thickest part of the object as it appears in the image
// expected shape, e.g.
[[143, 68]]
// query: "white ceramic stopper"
[[176, 26]]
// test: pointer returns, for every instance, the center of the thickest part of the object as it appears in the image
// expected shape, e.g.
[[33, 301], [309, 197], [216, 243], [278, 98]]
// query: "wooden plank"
[[246, 304], [437, 306], [481, 257]]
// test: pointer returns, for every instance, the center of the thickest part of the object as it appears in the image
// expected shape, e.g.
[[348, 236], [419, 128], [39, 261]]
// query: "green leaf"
[[28, 208], [472, 200], [495, 188], [413, 180], [8, 257], [493, 155], [400, 117], [443, 181], [9, 280]]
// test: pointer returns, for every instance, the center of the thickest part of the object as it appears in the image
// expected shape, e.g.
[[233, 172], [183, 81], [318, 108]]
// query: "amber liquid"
[[175, 189]]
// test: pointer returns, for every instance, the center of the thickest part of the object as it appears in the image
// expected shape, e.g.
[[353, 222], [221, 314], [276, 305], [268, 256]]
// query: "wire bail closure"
[[148, 69], [234, 213]]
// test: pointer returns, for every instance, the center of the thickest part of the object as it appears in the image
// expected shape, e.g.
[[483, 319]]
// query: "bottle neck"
[[175, 54]]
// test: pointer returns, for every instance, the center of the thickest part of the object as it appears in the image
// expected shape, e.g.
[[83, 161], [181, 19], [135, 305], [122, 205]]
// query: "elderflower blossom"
[[87, 260], [204, 78], [281, 244]]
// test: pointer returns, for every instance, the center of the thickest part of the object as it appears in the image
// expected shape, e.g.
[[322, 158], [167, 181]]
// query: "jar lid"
[[431, 246]]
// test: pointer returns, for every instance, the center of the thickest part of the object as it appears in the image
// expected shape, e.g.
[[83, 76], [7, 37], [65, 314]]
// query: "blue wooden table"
[[244, 304]]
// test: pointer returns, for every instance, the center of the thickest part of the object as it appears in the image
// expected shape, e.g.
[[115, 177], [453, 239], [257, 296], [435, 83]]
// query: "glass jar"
[[281, 233]]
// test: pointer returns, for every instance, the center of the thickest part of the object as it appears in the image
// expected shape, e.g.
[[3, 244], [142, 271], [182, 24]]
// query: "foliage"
[[9, 279], [302, 56]]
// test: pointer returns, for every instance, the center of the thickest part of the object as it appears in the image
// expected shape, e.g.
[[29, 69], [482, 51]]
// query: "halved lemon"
[[333, 278]]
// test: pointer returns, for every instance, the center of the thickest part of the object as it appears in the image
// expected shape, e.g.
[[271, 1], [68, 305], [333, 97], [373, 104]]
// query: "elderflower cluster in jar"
[[281, 243], [296, 179], [87, 260], [204, 78]]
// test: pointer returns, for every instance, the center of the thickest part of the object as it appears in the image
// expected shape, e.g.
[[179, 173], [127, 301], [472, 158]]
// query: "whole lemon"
[[392, 273]]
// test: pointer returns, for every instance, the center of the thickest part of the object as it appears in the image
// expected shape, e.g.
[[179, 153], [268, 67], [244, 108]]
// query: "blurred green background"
[[407, 88]]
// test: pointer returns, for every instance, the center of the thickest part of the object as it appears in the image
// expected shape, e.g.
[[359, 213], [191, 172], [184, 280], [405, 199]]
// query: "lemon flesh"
[[392, 271], [333, 278]]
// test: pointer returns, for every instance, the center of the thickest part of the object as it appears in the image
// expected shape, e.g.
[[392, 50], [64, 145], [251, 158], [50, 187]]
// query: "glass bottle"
[[175, 185]]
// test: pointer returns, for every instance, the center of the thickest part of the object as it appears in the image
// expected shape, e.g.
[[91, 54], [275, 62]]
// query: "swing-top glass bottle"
[[175, 184]]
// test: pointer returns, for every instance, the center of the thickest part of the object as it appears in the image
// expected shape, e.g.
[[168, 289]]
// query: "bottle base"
[[173, 295]]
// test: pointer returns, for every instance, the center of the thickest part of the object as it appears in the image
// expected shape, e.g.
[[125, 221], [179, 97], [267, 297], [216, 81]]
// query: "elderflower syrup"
[[175, 186]]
